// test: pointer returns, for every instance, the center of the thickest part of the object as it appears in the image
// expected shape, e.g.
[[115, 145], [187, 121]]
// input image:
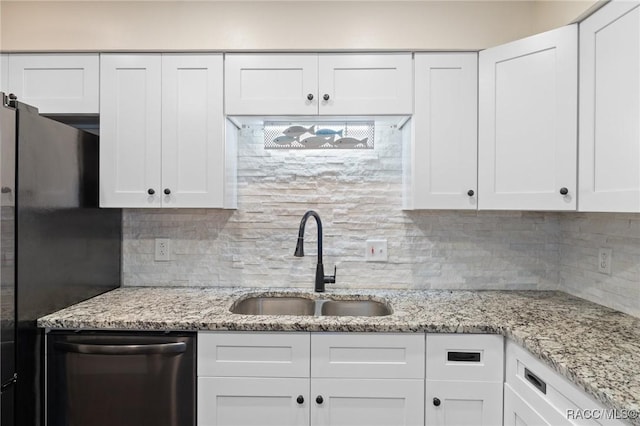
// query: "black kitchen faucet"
[[321, 278]]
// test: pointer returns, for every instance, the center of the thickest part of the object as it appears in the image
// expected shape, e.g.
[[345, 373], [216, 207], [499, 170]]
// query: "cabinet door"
[[365, 84], [518, 413], [610, 109], [231, 401], [193, 140], [463, 403], [445, 143], [130, 144], [367, 402], [271, 84], [56, 83], [528, 123]]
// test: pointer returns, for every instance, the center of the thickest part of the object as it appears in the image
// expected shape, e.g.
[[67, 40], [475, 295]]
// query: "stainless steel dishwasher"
[[125, 379]]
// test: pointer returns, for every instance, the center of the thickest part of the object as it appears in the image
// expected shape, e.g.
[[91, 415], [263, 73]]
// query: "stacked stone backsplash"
[[582, 234], [358, 194]]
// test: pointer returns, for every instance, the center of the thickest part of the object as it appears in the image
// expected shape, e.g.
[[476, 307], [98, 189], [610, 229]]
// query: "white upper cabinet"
[[4, 73], [55, 83], [327, 84], [272, 84], [130, 144], [372, 84], [610, 109], [442, 165], [163, 132], [528, 123], [193, 132]]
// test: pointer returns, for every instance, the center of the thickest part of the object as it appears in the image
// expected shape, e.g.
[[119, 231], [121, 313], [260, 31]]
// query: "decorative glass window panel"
[[318, 135]]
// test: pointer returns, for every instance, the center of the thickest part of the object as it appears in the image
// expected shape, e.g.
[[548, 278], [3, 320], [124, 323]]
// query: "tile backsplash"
[[358, 195], [582, 234]]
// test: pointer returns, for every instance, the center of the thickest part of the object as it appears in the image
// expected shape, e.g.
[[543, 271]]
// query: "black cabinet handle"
[[167, 191], [325, 97], [535, 381], [463, 356], [300, 399], [151, 191], [564, 191], [436, 402], [470, 193], [319, 399], [310, 96], [5, 190]]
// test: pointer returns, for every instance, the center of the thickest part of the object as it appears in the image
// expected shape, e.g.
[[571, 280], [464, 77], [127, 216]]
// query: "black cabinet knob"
[[151, 191], [167, 191], [470, 193], [310, 96], [564, 191], [436, 402], [325, 97], [300, 399], [319, 399]]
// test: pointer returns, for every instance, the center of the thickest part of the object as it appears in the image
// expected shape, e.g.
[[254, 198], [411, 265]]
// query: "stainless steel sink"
[[269, 305], [356, 308], [296, 305]]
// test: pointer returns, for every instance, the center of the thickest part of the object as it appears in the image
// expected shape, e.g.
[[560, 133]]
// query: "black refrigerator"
[[57, 247]]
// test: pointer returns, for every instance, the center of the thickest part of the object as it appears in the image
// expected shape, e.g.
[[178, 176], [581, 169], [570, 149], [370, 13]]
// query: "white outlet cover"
[[604, 260], [162, 250], [376, 251]]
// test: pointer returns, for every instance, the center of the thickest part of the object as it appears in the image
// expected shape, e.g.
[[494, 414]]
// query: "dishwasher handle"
[[94, 349]]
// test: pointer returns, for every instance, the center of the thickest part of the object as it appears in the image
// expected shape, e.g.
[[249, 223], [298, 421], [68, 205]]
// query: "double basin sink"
[[297, 305]]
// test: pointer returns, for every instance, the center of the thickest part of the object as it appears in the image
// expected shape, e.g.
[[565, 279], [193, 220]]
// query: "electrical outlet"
[[376, 251], [163, 249], [604, 261]]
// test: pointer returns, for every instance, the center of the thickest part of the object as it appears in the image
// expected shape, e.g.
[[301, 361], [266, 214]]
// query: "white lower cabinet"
[[461, 404], [262, 379], [464, 379], [367, 379], [253, 401], [382, 379], [367, 402], [518, 413], [536, 395]]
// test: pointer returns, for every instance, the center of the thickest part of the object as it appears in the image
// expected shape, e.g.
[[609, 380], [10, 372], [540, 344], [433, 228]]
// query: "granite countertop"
[[595, 347]]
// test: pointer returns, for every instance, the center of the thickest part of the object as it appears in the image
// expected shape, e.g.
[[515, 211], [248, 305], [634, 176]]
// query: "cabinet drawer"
[[367, 355], [253, 354], [518, 413], [546, 391], [465, 357]]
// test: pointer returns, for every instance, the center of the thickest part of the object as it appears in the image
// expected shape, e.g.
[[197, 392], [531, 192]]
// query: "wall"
[[549, 14], [358, 196], [581, 235], [273, 25]]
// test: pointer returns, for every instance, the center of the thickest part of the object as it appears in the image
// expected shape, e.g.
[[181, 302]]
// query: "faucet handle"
[[331, 279]]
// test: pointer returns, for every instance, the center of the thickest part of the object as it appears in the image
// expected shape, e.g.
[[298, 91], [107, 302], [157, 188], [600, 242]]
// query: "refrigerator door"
[[67, 249], [7, 261]]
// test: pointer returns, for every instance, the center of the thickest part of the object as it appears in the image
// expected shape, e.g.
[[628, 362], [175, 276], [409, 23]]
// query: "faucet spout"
[[321, 278]]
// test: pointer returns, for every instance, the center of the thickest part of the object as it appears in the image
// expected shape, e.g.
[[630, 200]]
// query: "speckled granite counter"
[[596, 348]]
